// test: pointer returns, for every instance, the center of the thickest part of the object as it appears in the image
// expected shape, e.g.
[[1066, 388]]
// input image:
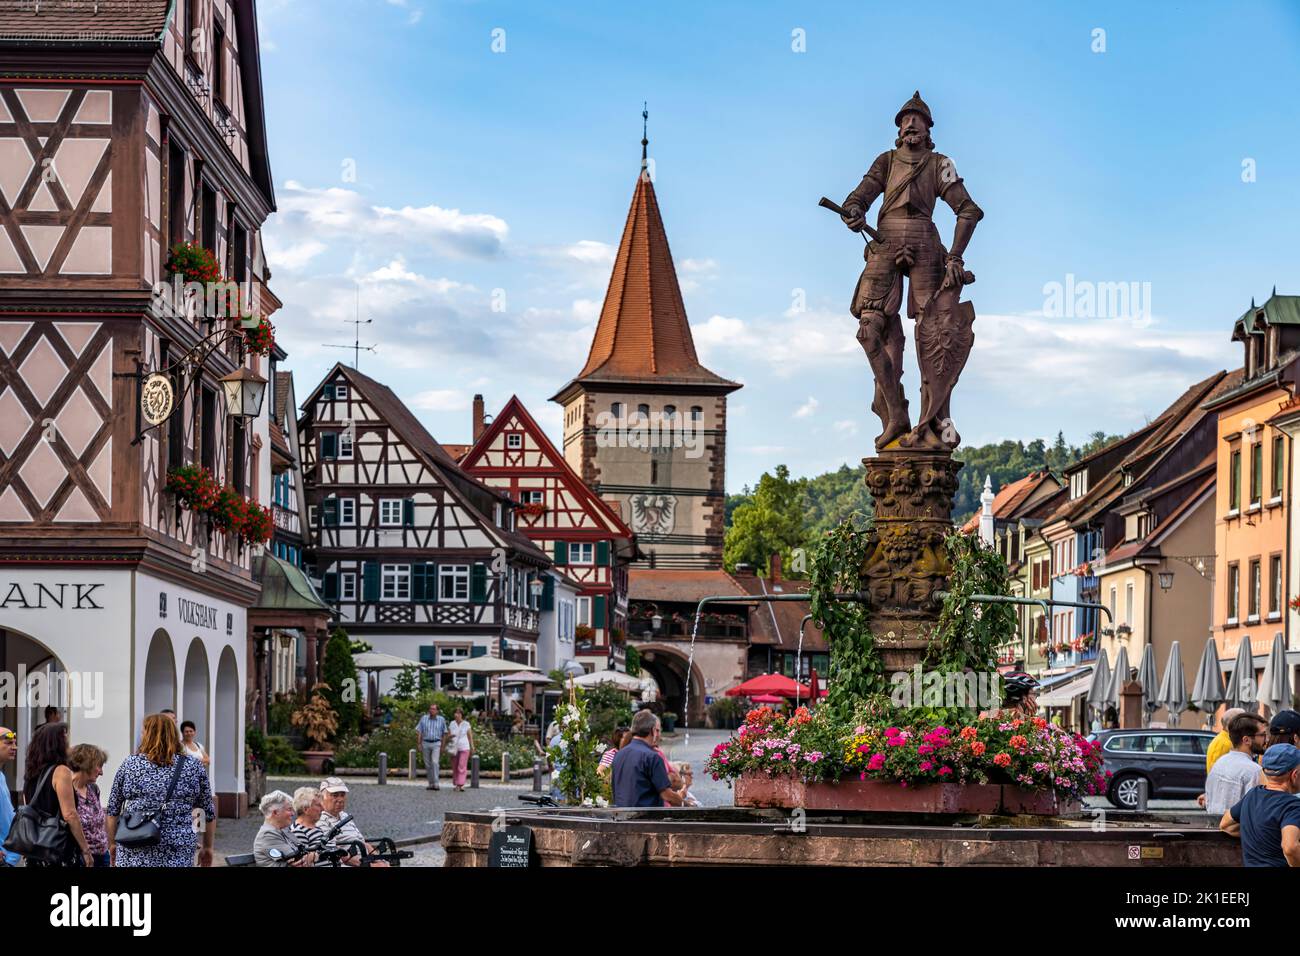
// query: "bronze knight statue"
[[905, 242]]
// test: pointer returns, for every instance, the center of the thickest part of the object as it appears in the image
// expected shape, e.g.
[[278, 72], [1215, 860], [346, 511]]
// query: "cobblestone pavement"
[[709, 792]]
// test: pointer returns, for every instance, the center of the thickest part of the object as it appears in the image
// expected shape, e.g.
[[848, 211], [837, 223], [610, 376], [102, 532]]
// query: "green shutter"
[[330, 584], [370, 581], [548, 593], [478, 682], [329, 511], [428, 654], [561, 553], [327, 392], [329, 445], [598, 618], [478, 583], [602, 553], [408, 512], [419, 581]]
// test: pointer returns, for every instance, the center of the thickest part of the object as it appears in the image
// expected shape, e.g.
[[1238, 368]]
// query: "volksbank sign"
[[196, 614]]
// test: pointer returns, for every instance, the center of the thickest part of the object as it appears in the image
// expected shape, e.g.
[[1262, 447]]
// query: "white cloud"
[[293, 256], [707, 267], [807, 409], [333, 212], [591, 252], [846, 427], [439, 400]]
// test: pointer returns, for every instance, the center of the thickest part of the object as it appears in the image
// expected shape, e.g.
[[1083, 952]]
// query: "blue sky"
[[477, 197]]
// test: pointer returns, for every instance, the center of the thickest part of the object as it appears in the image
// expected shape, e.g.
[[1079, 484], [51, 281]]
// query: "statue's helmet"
[[915, 105]]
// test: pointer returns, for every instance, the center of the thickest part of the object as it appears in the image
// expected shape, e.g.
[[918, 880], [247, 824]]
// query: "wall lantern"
[[1166, 580], [657, 621], [244, 390], [536, 587]]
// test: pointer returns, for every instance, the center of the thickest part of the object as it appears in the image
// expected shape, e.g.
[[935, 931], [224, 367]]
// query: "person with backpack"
[[49, 791]]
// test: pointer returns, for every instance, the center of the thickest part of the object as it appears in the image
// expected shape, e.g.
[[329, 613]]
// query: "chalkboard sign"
[[511, 847]]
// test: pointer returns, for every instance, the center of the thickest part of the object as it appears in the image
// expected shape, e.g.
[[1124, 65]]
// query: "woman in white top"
[[460, 744], [190, 743]]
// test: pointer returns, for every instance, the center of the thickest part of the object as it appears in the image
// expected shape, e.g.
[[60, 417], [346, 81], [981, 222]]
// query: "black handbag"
[[139, 828], [40, 837]]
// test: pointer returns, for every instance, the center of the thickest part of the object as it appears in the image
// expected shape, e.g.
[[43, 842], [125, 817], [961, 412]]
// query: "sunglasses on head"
[[9, 735]]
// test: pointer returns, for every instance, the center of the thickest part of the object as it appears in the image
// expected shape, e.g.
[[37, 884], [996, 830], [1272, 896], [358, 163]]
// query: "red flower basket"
[[194, 487], [259, 339], [193, 263], [258, 524]]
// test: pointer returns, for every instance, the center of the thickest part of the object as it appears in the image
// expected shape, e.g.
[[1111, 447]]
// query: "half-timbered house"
[[581, 532], [419, 558], [126, 127]]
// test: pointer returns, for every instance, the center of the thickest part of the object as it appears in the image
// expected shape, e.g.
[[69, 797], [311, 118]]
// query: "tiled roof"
[[778, 622], [283, 386], [1009, 497], [643, 334], [83, 20], [457, 452], [662, 584]]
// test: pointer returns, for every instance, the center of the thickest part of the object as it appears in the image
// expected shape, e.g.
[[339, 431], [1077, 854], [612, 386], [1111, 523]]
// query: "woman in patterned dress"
[[141, 782]]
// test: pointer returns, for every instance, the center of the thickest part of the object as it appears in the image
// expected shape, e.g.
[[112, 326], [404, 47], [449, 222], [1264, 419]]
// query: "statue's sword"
[[839, 210]]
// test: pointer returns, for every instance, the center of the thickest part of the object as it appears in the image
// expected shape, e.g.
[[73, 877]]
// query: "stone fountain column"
[[907, 563]]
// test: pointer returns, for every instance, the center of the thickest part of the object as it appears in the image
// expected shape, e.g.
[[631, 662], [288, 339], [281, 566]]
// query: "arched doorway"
[[160, 674], [227, 748], [39, 682], [196, 700], [667, 666]]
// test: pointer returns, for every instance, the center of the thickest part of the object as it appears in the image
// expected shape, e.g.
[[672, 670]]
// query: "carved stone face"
[[913, 131]]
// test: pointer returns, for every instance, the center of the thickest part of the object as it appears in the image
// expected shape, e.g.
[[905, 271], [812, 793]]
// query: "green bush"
[[280, 711], [281, 757], [727, 712], [607, 708], [340, 673], [633, 661]]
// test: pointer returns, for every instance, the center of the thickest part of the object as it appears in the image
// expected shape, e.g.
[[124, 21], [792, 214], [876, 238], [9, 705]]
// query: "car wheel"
[[1124, 791]]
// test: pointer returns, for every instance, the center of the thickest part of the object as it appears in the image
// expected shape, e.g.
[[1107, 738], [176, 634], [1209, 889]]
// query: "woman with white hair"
[[307, 808], [277, 815]]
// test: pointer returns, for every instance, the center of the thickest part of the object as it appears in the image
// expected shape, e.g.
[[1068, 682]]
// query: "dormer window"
[[1079, 484], [514, 441]]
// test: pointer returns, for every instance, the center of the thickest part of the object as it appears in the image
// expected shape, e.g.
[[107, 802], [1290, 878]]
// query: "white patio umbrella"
[[633, 685], [1119, 678], [1241, 689], [377, 661], [1173, 686], [1100, 685], [1208, 692], [1274, 688], [483, 665], [1147, 678]]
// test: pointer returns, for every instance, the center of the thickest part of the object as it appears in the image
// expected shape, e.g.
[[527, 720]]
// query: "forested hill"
[[820, 503]]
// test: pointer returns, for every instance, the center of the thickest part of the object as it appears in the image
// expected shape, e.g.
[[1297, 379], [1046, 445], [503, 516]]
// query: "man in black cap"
[[910, 177], [1284, 728], [1267, 818]]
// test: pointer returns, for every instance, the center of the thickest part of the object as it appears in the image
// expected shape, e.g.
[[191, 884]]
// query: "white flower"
[[586, 801], [600, 748], [602, 802], [563, 744]]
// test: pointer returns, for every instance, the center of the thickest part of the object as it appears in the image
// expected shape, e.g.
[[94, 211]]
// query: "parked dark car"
[[1171, 761]]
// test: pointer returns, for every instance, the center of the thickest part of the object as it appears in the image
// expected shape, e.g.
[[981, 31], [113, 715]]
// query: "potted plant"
[[259, 338], [193, 263], [319, 723], [669, 720], [193, 486]]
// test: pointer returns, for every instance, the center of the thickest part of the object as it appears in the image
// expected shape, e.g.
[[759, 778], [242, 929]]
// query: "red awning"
[[777, 684]]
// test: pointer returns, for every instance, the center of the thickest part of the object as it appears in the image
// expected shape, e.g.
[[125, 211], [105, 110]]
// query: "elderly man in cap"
[[1220, 745], [334, 796], [1267, 818]]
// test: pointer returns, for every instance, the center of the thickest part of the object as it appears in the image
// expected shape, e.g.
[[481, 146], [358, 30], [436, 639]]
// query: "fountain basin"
[[741, 836], [852, 794]]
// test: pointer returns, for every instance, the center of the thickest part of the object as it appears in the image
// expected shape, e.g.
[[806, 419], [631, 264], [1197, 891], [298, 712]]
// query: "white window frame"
[[385, 505], [455, 575], [347, 512], [514, 441], [399, 576], [347, 586], [580, 548], [345, 442], [1128, 603], [532, 496], [447, 654], [583, 618], [341, 392]]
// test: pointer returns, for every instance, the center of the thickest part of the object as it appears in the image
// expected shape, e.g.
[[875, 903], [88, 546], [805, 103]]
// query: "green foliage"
[[1009, 461], [255, 744], [771, 522], [360, 646], [856, 671], [280, 712], [726, 712], [339, 671], [281, 757], [576, 755], [406, 685], [832, 497], [633, 661], [607, 708]]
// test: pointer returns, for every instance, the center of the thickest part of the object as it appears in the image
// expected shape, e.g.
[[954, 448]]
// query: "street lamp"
[[1166, 580], [657, 621], [536, 587], [244, 390]]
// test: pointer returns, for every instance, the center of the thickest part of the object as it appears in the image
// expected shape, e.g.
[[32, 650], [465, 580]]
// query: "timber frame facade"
[[581, 532], [419, 558]]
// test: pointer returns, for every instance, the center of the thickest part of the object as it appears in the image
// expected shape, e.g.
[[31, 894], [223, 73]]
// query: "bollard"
[[1142, 787], [505, 768], [473, 772], [410, 764], [537, 775], [383, 769]]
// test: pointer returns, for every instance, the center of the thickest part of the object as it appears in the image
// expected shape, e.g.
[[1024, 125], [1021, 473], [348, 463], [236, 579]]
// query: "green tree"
[[340, 673], [772, 522]]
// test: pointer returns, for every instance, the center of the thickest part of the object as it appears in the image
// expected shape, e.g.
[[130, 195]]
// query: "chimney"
[[478, 418], [775, 565]]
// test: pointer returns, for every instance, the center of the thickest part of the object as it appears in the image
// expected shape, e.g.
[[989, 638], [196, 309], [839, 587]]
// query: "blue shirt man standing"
[[639, 776], [1267, 818], [432, 728], [8, 749]]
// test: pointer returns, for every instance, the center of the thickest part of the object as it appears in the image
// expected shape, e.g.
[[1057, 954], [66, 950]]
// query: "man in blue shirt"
[[8, 749], [432, 728], [639, 775], [1267, 818]]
